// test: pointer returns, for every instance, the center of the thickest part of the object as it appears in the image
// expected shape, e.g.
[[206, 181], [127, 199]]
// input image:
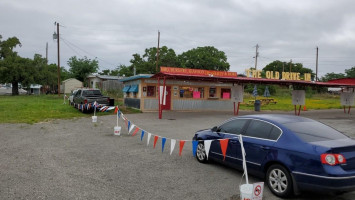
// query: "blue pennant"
[[194, 147]]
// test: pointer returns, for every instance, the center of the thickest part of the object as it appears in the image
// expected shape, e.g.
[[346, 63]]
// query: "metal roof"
[[241, 80], [139, 76]]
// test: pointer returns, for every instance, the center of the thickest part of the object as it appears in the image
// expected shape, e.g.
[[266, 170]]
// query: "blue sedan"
[[291, 153]]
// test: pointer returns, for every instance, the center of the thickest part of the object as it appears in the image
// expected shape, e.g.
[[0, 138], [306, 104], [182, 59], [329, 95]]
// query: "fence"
[[112, 85]]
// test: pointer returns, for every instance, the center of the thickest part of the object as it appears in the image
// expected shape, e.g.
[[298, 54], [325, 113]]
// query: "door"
[[167, 105]]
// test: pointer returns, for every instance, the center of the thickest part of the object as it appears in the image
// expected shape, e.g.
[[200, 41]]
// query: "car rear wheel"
[[201, 153], [279, 181]]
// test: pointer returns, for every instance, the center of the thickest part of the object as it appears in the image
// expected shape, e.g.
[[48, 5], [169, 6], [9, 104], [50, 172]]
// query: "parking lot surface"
[[78, 159]]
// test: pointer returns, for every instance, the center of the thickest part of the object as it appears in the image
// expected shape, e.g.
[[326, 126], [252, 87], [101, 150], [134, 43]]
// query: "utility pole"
[[47, 53], [290, 64], [156, 68], [256, 55], [56, 36], [317, 66]]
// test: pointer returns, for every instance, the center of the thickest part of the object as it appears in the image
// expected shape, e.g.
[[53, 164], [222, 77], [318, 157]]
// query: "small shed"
[[70, 84], [34, 89]]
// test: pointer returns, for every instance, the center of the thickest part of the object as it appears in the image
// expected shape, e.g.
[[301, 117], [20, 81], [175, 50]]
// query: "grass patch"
[[39, 108]]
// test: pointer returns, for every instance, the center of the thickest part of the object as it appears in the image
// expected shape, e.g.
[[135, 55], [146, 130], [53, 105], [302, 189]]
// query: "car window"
[[234, 126], [91, 92], [312, 131], [259, 129], [78, 93], [275, 133]]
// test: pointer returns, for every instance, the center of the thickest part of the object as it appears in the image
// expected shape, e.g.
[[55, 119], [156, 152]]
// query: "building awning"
[[134, 88], [126, 88]]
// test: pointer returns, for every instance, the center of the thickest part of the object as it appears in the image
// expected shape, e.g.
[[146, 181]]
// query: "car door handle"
[[265, 148], [233, 142]]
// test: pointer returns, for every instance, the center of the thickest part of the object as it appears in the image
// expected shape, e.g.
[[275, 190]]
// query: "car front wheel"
[[279, 181], [201, 153]]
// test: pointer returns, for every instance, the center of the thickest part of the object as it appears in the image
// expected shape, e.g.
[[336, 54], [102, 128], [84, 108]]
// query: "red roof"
[[239, 80], [348, 81]]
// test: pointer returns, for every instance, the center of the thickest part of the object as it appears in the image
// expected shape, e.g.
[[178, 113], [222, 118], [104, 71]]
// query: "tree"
[[350, 73], [331, 76], [82, 67], [207, 57], [13, 68], [146, 64]]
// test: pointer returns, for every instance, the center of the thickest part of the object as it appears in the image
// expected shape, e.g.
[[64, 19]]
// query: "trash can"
[[257, 105], [112, 102]]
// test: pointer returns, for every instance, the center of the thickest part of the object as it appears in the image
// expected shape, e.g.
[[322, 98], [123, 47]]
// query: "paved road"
[[78, 159]]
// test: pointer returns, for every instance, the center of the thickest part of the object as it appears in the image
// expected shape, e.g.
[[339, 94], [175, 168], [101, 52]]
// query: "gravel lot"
[[78, 159]]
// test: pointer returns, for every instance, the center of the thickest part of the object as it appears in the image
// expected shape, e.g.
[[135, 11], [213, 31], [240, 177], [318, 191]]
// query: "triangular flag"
[[119, 114], [142, 135], [135, 131], [163, 140], [129, 125], [194, 147], [172, 145], [182, 142], [155, 140], [116, 109], [224, 145], [149, 135], [207, 144], [131, 128]]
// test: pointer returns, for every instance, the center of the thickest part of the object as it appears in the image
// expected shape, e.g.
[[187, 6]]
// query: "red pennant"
[[224, 145], [182, 142], [135, 131], [116, 110], [155, 140]]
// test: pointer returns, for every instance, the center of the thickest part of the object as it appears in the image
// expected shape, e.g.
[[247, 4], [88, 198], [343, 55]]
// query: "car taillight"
[[85, 101], [332, 159]]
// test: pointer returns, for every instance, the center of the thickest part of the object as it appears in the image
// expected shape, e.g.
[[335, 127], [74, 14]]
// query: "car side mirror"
[[214, 129]]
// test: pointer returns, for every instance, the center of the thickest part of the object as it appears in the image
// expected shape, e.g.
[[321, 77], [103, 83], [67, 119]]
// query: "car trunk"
[[345, 147]]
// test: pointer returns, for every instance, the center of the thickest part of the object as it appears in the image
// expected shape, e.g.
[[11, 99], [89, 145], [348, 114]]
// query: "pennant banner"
[[155, 140], [163, 140], [194, 147], [172, 145], [149, 135], [207, 144], [182, 142], [224, 145]]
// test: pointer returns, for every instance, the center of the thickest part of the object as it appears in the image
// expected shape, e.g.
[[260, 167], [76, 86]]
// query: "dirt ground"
[[78, 159]]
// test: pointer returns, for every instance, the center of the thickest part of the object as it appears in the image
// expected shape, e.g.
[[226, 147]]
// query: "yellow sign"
[[294, 76]]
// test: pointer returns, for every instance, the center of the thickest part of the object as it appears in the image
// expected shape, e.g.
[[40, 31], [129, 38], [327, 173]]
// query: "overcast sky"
[[112, 31]]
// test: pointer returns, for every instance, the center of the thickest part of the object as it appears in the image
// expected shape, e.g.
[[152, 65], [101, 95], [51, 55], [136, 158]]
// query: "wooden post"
[[159, 106], [238, 108], [299, 110]]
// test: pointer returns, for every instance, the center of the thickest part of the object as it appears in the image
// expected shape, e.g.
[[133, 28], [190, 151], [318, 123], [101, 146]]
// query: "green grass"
[[39, 108], [34, 109]]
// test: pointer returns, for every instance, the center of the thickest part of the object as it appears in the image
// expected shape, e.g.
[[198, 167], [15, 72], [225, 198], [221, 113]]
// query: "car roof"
[[278, 118]]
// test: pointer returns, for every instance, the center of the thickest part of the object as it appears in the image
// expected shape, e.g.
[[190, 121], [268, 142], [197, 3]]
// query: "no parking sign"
[[258, 189]]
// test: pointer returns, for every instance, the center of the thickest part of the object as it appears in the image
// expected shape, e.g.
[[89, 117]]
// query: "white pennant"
[[149, 135], [207, 144], [123, 117], [131, 128], [172, 145]]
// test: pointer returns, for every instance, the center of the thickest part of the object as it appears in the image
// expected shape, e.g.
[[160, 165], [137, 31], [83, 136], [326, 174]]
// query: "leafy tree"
[[350, 73], [82, 67], [105, 72], [108, 72], [124, 70], [332, 75], [285, 67], [13, 68], [207, 57]]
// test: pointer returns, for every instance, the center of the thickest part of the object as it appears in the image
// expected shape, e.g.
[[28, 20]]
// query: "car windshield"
[[313, 131], [91, 92]]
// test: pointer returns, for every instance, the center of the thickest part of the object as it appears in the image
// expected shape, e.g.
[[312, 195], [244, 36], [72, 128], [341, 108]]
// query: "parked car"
[[88, 96], [71, 97], [291, 153]]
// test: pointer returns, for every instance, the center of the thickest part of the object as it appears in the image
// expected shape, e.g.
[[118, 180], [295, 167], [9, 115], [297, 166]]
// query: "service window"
[[259, 129], [212, 92], [151, 91], [233, 126], [225, 93], [186, 92], [198, 93]]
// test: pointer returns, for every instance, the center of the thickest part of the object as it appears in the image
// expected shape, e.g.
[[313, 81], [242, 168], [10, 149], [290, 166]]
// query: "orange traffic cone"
[[304, 108]]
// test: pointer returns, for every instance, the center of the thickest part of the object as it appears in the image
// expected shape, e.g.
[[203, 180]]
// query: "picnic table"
[[264, 101]]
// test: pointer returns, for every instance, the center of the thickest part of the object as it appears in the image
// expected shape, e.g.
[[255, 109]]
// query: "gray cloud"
[[113, 31]]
